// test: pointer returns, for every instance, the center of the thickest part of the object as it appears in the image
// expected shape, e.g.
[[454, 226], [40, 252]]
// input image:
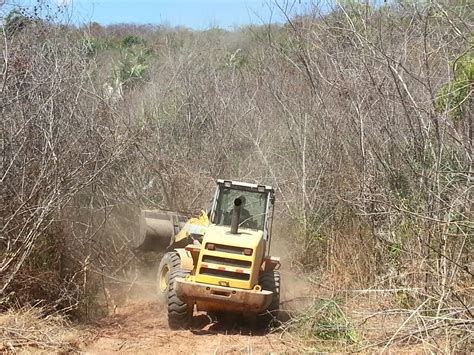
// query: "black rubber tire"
[[270, 281], [169, 262], [179, 313]]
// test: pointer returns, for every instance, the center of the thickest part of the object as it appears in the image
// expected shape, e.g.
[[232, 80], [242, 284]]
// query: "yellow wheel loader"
[[218, 262]]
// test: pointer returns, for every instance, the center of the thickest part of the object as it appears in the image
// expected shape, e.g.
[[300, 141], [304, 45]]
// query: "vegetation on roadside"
[[360, 116], [323, 326], [32, 328]]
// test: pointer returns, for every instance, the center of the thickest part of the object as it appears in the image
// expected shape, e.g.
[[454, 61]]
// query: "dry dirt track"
[[142, 328]]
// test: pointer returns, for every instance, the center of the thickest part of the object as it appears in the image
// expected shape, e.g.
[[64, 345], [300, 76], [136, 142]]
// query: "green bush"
[[324, 320], [455, 95]]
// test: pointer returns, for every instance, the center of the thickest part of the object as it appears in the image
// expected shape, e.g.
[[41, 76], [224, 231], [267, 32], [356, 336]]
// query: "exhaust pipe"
[[234, 223]]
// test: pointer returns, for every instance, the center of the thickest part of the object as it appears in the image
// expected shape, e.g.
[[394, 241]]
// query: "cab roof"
[[257, 187]]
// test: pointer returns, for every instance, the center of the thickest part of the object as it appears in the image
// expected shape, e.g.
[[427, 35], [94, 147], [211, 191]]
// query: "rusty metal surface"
[[271, 263], [218, 298]]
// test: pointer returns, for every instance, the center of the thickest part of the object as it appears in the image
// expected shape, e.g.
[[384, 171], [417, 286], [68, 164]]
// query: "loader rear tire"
[[169, 262], [270, 281], [179, 313]]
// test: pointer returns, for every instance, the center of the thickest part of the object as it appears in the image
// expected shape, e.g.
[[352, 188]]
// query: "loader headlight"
[[248, 252]]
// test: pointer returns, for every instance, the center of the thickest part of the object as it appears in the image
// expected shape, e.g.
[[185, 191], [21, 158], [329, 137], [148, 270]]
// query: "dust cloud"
[[297, 292], [138, 282]]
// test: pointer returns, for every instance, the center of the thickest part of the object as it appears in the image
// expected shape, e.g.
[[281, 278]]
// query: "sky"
[[195, 14]]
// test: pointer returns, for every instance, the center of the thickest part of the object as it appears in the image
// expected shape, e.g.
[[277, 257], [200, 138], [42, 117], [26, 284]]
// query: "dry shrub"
[[395, 319], [322, 326], [380, 320], [62, 144], [30, 329]]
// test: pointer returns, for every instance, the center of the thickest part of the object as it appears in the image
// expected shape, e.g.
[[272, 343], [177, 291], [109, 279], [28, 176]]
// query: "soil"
[[142, 327], [138, 323]]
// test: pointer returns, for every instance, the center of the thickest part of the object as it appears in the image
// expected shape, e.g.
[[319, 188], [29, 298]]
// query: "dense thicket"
[[362, 118]]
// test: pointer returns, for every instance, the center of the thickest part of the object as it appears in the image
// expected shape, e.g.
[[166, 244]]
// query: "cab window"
[[252, 211]]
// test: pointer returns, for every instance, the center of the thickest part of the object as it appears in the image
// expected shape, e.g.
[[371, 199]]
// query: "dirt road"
[[142, 328]]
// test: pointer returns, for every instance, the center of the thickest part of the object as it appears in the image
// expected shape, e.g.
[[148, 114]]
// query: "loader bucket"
[[158, 229]]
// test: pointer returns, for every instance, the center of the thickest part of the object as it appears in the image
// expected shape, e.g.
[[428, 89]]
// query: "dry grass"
[[29, 329], [379, 320]]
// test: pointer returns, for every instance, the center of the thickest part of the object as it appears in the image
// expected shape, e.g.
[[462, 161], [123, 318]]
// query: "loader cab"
[[257, 202]]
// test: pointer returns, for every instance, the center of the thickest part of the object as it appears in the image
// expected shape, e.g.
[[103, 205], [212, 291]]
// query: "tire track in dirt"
[[142, 327]]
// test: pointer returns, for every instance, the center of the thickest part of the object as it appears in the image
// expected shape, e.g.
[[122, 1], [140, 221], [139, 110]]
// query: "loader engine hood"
[[231, 260]]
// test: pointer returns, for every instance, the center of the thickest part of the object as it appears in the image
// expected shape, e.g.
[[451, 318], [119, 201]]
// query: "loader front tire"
[[179, 313], [170, 261], [270, 281]]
